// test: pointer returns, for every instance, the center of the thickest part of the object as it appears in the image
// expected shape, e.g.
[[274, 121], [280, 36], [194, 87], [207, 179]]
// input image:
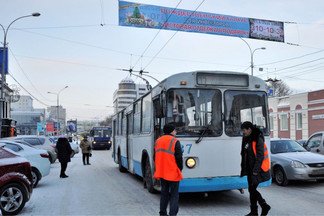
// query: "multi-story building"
[[127, 92], [26, 116], [57, 114], [297, 116]]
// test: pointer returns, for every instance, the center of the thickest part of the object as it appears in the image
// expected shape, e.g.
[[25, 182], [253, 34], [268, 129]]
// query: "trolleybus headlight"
[[191, 163]]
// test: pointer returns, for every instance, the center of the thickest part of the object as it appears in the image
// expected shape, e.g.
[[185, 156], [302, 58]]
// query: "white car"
[[75, 148], [38, 158]]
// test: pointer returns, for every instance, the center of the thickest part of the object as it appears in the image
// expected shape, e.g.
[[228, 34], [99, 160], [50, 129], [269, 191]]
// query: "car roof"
[[278, 139]]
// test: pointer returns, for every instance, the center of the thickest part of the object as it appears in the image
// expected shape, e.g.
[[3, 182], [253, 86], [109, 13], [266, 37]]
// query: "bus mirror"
[[196, 117]]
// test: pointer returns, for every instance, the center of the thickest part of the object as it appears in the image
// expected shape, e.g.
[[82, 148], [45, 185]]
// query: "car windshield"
[[284, 146], [195, 111], [241, 106], [102, 133]]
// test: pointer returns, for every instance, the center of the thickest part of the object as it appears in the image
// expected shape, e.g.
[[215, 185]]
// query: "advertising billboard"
[[156, 17]]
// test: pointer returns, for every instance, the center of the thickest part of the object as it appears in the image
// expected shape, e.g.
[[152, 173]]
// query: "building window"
[[271, 123], [299, 121], [284, 122]]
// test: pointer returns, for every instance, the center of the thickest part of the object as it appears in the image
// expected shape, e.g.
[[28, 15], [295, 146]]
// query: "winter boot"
[[254, 211], [265, 209]]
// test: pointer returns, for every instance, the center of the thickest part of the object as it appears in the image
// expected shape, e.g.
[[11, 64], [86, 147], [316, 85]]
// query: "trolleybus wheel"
[[148, 177], [120, 166]]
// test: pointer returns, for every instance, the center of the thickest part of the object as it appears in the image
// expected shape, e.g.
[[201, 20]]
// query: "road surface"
[[100, 189]]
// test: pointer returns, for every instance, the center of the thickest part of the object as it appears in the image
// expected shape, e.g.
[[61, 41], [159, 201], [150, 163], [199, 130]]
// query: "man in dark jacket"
[[64, 151], [168, 166], [255, 164]]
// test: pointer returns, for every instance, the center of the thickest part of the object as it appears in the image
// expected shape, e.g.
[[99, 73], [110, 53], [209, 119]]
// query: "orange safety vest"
[[265, 166], [165, 162]]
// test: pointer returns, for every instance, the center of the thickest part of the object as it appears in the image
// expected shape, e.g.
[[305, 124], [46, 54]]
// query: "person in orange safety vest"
[[168, 166], [255, 165]]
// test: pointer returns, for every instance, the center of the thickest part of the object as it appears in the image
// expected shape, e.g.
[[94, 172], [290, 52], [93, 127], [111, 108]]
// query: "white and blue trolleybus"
[[207, 108]]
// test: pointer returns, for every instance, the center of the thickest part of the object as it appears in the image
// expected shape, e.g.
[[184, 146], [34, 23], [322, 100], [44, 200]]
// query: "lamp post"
[[252, 53], [3, 78], [58, 104]]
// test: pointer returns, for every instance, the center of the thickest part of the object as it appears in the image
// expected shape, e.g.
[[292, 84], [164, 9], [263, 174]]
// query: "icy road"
[[100, 189]]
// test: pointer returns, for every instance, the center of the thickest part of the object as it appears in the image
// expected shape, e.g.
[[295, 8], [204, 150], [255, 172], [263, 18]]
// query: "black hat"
[[168, 128], [247, 125]]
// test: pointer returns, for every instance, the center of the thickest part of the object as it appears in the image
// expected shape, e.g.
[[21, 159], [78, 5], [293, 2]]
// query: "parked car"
[[290, 161], [38, 158], [315, 143], [41, 142], [75, 148], [302, 142], [15, 182]]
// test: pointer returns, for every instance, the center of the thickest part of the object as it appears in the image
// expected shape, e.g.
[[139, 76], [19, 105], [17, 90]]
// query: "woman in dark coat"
[[64, 152], [252, 162]]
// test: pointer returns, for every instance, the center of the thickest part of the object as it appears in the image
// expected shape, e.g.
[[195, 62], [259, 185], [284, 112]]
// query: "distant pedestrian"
[[85, 145], [255, 165], [64, 152], [168, 167]]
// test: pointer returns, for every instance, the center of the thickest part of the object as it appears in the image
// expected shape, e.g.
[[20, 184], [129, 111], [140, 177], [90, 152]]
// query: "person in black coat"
[[251, 166], [64, 152]]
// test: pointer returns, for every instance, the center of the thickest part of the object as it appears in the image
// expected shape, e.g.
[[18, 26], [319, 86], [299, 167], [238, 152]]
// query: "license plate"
[[318, 171]]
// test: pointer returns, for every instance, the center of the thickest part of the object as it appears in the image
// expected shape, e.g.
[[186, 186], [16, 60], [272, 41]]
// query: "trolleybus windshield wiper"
[[202, 135]]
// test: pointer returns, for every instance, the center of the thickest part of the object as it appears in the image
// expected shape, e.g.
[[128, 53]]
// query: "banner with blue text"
[[156, 17]]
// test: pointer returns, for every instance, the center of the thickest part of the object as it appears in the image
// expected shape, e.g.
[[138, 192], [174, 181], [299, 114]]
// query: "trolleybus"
[[207, 108]]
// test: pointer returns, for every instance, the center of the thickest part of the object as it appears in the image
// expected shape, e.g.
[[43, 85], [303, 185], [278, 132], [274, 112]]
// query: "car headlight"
[[297, 164], [191, 163], [94, 142], [109, 142]]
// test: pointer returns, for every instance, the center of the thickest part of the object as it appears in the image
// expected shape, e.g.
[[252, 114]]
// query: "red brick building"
[[297, 116]]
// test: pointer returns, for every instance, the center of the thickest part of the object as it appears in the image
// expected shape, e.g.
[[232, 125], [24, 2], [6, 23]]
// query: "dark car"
[[15, 182]]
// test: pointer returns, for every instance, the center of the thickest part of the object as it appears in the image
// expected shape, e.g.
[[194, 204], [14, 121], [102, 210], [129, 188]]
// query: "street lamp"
[[3, 78], [252, 53], [58, 103]]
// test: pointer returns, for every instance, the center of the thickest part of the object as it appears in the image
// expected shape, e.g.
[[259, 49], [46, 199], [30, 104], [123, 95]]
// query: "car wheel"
[[148, 177], [120, 166], [280, 177], [13, 198], [36, 176], [73, 153]]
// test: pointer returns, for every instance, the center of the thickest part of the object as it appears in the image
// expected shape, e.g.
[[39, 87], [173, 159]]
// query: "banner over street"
[[156, 17]]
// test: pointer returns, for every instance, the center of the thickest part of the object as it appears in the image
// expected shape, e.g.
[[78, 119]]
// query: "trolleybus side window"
[[123, 127], [137, 117], [146, 114], [243, 106], [195, 111]]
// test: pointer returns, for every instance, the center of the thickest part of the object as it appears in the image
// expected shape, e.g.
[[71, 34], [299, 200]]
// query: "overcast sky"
[[66, 45]]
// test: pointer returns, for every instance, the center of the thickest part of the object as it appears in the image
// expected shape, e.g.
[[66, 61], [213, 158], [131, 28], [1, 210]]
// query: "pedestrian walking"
[[255, 165], [168, 167], [85, 145], [64, 152]]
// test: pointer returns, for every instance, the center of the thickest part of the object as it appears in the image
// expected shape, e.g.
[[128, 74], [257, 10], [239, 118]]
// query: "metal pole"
[[3, 78], [250, 53], [58, 114]]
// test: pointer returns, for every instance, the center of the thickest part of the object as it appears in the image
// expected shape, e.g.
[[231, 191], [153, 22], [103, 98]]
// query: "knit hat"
[[168, 128]]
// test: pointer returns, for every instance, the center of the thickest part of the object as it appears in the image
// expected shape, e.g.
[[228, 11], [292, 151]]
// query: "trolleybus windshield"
[[241, 106], [195, 111]]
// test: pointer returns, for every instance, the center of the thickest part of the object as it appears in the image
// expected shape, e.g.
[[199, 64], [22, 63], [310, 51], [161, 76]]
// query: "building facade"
[[57, 114], [26, 116], [297, 116], [127, 93]]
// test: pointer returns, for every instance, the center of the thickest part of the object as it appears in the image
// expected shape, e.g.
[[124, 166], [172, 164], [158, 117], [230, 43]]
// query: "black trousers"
[[255, 196], [63, 168], [85, 158], [169, 193]]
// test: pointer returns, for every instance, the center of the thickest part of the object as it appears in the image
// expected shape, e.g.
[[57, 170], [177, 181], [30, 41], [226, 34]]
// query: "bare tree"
[[106, 122], [279, 87]]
